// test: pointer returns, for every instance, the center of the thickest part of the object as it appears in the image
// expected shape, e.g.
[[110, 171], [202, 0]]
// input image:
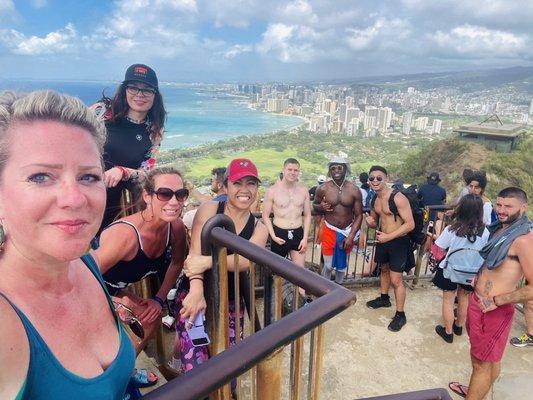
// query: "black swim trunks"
[[398, 254], [292, 238]]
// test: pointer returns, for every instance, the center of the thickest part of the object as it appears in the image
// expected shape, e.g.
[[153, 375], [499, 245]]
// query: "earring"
[[2, 235]]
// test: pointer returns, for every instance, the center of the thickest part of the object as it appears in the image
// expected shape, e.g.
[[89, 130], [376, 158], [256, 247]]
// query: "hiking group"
[[64, 308]]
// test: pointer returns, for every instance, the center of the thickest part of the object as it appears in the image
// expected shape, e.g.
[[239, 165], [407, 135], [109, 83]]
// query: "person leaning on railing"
[[151, 241], [242, 182], [59, 336], [134, 119]]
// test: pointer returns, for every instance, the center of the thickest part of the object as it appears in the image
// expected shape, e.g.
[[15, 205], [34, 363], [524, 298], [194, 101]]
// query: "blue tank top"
[[124, 273], [48, 379]]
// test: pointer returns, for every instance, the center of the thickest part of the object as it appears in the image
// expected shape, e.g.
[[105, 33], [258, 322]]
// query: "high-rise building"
[[369, 122], [410, 90], [435, 128], [407, 122], [384, 118], [277, 105], [350, 114], [350, 102], [531, 107], [342, 113], [352, 127], [421, 123]]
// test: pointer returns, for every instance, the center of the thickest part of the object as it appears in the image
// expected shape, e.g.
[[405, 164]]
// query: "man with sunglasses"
[[341, 202], [393, 250]]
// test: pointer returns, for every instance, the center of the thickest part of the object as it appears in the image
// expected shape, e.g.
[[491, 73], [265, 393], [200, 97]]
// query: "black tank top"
[[246, 233], [124, 273]]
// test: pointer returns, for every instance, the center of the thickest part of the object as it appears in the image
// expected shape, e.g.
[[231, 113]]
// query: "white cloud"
[[480, 42], [58, 42], [39, 3], [236, 50], [382, 33]]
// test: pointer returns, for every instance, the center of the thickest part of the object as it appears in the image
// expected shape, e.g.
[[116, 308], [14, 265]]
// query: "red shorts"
[[488, 332]]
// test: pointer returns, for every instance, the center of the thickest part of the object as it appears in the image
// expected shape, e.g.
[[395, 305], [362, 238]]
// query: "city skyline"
[[249, 40]]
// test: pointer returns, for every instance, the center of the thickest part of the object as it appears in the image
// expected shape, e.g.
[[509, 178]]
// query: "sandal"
[[458, 389], [140, 378]]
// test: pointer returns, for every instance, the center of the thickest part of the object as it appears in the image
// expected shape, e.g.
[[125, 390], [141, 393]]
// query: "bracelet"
[[125, 175], [160, 301], [197, 278]]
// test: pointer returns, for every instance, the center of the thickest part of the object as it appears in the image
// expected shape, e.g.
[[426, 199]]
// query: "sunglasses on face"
[[145, 92], [126, 315], [165, 194], [375, 178], [335, 167]]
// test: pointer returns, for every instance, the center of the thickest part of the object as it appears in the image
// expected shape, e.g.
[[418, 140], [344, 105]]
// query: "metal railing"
[[260, 352]]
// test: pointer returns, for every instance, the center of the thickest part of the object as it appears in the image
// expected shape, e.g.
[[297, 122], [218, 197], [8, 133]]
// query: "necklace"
[[135, 121], [342, 184]]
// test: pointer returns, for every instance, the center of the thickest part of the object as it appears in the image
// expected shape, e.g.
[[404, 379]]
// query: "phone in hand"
[[197, 333], [431, 228]]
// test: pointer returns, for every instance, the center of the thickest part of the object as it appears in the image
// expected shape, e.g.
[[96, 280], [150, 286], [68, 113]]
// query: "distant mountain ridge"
[[521, 77]]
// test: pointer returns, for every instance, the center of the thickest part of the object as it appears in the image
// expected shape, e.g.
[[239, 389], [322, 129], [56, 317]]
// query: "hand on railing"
[[196, 264]]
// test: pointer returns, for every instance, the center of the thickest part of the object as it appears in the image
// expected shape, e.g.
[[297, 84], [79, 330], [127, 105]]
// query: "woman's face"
[[140, 102], [163, 202], [52, 195], [475, 188], [243, 192]]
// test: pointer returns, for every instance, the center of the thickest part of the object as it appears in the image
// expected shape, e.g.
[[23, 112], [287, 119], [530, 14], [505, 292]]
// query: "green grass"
[[269, 163]]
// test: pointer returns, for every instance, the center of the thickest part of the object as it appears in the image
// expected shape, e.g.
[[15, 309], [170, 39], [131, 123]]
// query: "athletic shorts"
[[398, 254], [292, 238], [445, 284], [488, 332]]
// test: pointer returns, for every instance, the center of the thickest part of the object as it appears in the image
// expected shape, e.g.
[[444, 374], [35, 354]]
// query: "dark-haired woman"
[[134, 119], [151, 241], [467, 230]]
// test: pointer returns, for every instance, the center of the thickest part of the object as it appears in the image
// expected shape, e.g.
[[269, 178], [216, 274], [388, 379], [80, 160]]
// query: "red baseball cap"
[[240, 168]]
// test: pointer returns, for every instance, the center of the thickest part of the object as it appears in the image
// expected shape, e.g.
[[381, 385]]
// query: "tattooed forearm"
[[518, 296]]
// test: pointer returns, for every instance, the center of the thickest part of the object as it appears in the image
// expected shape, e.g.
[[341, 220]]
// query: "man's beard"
[[511, 218]]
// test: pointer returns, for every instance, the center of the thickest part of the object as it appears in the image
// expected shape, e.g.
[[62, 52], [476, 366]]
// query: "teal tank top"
[[47, 379]]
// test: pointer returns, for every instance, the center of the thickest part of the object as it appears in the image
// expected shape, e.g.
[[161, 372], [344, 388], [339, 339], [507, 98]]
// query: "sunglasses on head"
[[126, 315], [375, 178], [165, 194], [134, 91]]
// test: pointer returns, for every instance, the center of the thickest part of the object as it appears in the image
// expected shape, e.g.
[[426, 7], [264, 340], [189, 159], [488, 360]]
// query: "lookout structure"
[[492, 133]]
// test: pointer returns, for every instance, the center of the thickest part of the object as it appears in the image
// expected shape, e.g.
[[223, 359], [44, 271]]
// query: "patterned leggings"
[[191, 356]]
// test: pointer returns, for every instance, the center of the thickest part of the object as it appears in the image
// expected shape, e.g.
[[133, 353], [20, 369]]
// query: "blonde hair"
[[46, 105]]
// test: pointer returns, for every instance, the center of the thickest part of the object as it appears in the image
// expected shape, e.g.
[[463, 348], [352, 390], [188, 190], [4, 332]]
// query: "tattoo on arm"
[[488, 288]]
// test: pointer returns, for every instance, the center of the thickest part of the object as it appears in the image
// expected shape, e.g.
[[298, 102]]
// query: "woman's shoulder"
[[14, 351]]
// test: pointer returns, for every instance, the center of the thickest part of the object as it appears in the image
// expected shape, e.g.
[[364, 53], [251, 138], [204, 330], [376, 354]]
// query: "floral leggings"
[[191, 356]]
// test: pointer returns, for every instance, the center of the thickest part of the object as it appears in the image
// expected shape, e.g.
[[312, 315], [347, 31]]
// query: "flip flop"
[[140, 378], [458, 389]]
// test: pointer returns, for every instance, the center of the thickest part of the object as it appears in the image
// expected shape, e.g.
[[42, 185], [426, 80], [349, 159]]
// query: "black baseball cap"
[[141, 73], [434, 176]]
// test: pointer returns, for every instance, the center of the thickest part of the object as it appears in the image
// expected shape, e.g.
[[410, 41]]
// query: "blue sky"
[[260, 40]]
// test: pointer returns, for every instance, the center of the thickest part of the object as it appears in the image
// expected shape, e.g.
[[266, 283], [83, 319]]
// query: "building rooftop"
[[492, 127]]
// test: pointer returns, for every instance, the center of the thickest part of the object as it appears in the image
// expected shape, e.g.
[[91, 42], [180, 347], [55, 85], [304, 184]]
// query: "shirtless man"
[[340, 201], [393, 250], [287, 200], [491, 307]]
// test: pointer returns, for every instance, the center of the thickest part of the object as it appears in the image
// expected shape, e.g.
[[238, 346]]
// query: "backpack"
[[417, 235], [462, 265]]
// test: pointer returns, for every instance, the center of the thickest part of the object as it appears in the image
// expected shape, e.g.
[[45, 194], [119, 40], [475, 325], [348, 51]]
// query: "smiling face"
[[139, 103], [377, 180], [52, 195], [291, 172], [509, 209], [166, 210], [337, 172], [243, 192]]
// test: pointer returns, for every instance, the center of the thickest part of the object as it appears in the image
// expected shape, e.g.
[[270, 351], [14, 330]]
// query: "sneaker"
[[378, 302], [522, 341], [457, 330], [397, 323], [441, 331]]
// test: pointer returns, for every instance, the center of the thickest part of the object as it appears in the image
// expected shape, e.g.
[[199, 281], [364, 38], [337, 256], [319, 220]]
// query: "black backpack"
[[417, 234]]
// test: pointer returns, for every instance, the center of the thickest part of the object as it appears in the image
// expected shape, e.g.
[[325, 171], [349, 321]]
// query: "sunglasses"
[[126, 315], [165, 194], [145, 92], [375, 178]]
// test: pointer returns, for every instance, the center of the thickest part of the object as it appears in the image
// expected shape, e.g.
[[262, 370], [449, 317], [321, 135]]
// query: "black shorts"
[[292, 238], [445, 284], [398, 254]]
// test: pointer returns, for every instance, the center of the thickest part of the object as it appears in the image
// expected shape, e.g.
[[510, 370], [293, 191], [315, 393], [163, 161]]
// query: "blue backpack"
[[462, 265]]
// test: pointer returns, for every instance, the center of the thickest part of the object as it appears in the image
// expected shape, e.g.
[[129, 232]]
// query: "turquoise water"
[[195, 115]]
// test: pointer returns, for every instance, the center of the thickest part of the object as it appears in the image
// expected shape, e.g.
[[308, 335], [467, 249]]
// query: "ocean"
[[195, 115]]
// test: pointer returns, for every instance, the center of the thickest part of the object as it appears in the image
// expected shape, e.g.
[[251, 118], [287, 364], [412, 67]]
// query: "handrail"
[[332, 299]]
